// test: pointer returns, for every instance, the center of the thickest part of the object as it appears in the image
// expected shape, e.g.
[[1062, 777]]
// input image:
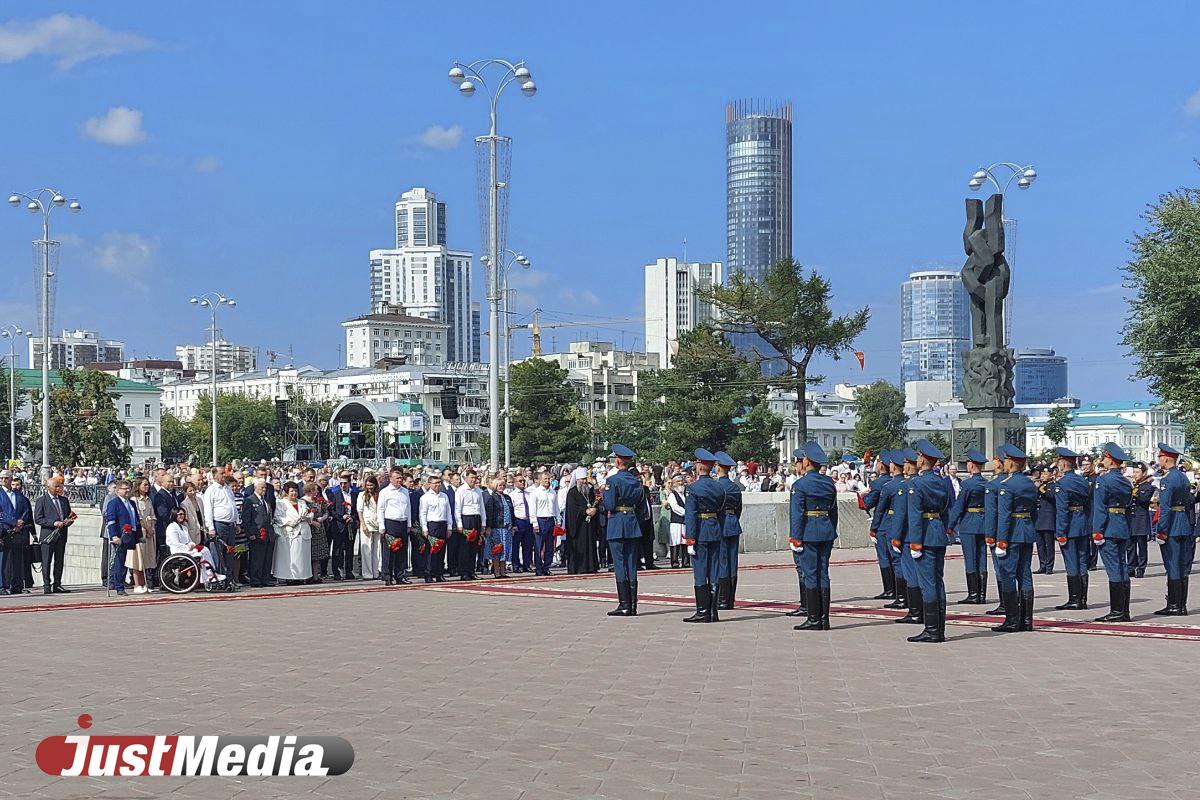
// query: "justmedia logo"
[[228, 756]]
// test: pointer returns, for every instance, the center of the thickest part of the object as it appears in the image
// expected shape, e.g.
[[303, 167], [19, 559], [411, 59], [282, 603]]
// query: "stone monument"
[[988, 365]]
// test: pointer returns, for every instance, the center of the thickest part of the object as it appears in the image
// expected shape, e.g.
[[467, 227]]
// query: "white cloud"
[[120, 126], [126, 256], [1191, 106], [206, 165], [70, 40], [440, 137]]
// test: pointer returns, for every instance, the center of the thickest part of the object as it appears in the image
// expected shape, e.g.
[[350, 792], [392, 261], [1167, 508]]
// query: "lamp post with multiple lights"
[[12, 333], [510, 257], [212, 301]]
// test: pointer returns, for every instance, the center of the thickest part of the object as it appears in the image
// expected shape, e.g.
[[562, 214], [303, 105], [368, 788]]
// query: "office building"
[[387, 332], [604, 377], [673, 306], [424, 276], [1039, 376], [935, 333], [230, 357], [74, 349]]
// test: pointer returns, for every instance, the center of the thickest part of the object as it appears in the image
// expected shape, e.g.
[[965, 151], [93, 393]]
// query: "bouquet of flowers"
[[437, 546], [262, 534], [559, 531], [394, 543], [472, 536], [497, 548]]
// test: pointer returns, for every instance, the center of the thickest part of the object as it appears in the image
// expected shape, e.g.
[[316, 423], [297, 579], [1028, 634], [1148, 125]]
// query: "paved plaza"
[[525, 689]]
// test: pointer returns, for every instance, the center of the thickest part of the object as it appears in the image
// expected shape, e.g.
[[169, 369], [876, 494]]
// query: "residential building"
[[1136, 425], [74, 349], [476, 327], [230, 357], [144, 369], [389, 332], [673, 305], [138, 407], [758, 197], [424, 276], [605, 378], [1039, 376], [935, 333]]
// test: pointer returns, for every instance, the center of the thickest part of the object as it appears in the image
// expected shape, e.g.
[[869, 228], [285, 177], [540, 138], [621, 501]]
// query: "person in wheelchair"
[[178, 541]]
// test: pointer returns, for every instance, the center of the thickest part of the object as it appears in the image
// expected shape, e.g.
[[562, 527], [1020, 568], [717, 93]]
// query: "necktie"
[[525, 502], [58, 505]]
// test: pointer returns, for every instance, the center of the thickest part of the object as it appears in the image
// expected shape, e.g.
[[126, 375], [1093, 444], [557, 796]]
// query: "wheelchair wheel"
[[179, 574]]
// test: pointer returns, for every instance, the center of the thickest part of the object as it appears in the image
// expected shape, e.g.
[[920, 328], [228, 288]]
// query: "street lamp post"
[[44, 201], [1001, 175], [12, 333], [467, 77], [510, 257], [212, 301]]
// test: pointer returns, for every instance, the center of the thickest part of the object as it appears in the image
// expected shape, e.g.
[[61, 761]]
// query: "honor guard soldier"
[[926, 540], [1072, 528], [1110, 530], [813, 527], [887, 522], [990, 493], [731, 532], [622, 500], [1174, 531], [703, 535], [877, 501], [898, 533], [966, 521], [1016, 503], [802, 608]]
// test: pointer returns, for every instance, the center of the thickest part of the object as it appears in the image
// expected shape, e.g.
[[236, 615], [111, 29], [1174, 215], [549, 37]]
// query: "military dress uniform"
[[1044, 525], [813, 527], [1140, 528], [898, 537], [1110, 532], [801, 609], [731, 535], [927, 540], [1016, 503], [622, 500], [990, 494], [877, 501], [703, 531], [1174, 533], [966, 522], [1072, 530]]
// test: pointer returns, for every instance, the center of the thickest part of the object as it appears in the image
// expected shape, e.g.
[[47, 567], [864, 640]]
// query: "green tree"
[[1056, 426], [1164, 313], [941, 442], [547, 425], [792, 314], [84, 425], [246, 428], [882, 423], [176, 438], [755, 437]]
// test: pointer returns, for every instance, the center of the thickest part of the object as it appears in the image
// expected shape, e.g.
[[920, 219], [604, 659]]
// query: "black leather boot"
[[913, 603], [1182, 598], [801, 609], [889, 585], [733, 591], [1027, 610], [1114, 603], [1083, 591], [622, 608], [631, 598], [813, 623], [942, 619], [1128, 586], [901, 594], [703, 594], [972, 589], [713, 605], [1012, 610], [982, 599], [1172, 607], [931, 632], [825, 609], [724, 590], [1072, 595], [1000, 607]]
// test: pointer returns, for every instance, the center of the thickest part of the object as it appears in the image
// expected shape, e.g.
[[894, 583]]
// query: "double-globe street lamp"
[[468, 77], [510, 257], [212, 301], [45, 201], [12, 333]]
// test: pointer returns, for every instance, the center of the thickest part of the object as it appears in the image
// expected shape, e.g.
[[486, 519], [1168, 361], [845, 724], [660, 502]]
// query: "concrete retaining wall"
[[765, 522]]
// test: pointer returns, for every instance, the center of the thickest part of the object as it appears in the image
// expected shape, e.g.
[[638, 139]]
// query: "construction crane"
[[536, 327]]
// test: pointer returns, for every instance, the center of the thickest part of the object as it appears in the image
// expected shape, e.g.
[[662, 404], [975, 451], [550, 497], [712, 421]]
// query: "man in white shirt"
[[523, 522], [436, 517], [470, 516], [544, 504], [394, 509], [221, 516]]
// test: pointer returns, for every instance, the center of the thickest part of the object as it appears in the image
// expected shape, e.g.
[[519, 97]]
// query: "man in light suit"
[[53, 516]]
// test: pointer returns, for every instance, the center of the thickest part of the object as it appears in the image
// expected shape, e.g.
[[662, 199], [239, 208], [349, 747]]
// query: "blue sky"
[[230, 146]]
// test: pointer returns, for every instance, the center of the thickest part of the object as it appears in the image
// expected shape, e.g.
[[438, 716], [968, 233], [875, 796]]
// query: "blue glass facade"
[[1039, 377], [935, 327]]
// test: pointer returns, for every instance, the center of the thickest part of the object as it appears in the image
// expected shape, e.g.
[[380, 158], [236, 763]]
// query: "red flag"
[[862, 359]]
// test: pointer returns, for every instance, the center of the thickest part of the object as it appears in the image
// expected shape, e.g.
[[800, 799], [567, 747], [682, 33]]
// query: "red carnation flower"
[[127, 528], [262, 534], [497, 549]]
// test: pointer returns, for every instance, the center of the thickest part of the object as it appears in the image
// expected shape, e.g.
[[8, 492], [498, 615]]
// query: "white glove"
[[916, 553], [691, 550], [896, 550], [1001, 552], [1100, 543], [874, 540], [797, 548]]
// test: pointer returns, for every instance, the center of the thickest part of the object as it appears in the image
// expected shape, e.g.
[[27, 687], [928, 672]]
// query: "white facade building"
[[1136, 425], [389, 332], [605, 378], [423, 275], [230, 357], [75, 349], [672, 305]]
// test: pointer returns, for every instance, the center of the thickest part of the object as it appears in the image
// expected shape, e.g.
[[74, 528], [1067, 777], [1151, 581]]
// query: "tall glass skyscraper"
[[758, 200], [1039, 376], [935, 327]]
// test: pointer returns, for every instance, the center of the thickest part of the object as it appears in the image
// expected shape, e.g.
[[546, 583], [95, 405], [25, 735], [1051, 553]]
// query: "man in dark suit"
[[1140, 524], [257, 520], [121, 529], [53, 516], [343, 519], [16, 522]]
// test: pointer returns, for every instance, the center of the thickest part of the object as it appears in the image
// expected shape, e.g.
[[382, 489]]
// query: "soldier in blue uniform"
[[926, 540], [1174, 531], [731, 532], [966, 521], [1110, 530], [876, 501], [884, 520], [802, 608], [623, 501], [898, 536], [1016, 503], [812, 529], [1072, 528], [990, 493], [703, 533]]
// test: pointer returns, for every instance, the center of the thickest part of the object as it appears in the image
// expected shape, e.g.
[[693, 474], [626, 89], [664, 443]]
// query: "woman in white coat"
[[293, 560], [369, 550]]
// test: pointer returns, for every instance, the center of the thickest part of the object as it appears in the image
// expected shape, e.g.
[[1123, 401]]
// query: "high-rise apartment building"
[[74, 349], [673, 306], [1039, 376], [230, 357], [935, 329], [423, 275]]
